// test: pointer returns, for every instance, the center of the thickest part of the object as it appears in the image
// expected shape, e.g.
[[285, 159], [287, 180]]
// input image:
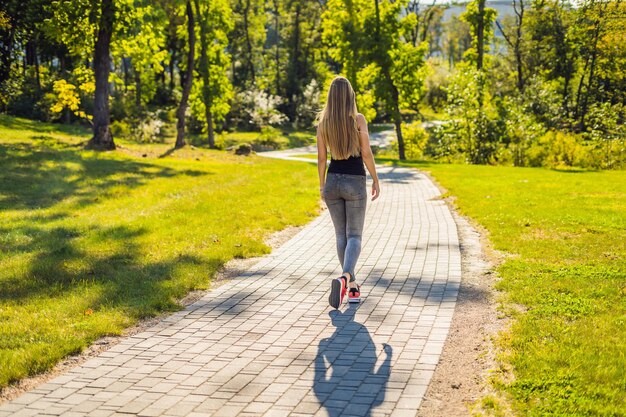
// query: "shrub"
[[269, 139], [557, 149], [120, 128], [415, 139]]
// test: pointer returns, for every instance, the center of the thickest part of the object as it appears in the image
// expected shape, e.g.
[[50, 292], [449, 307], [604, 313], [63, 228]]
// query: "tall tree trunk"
[[37, 75], [397, 116], [171, 68], [249, 60], [480, 35], [7, 39], [518, 46], [182, 107], [102, 136], [294, 67], [137, 89], [204, 71], [277, 49], [592, 67]]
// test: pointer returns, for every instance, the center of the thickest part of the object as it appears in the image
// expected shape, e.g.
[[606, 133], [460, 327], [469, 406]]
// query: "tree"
[[552, 52], [399, 62], [140, 46], [515, 39], [216, 91], [246, 41], [102, 136], [480, 19], [188, 79]]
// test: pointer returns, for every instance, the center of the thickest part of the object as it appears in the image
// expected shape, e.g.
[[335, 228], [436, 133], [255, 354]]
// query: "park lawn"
[[284, 138], [90, 243], [565, 236]]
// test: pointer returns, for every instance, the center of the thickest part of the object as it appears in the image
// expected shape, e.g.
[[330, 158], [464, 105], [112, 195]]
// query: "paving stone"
[[267, 343]]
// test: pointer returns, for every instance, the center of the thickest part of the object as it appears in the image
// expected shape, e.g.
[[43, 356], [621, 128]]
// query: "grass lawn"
[[565, 232], [283, 138], [92, 242]]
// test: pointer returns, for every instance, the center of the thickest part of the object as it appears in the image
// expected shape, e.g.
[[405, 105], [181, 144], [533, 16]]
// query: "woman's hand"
[[322, 192], [375, 190]]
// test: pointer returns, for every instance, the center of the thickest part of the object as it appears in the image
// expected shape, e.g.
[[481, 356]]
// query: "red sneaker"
[[354, 294], [338, 288]]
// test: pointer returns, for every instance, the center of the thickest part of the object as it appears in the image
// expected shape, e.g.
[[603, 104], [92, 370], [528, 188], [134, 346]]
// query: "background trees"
[[151, 70]]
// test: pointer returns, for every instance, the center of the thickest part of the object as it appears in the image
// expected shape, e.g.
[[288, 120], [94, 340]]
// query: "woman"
[[343, 131]]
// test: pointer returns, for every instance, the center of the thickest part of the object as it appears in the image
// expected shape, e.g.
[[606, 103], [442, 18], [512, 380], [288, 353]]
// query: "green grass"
[[565, 232], [121, 235], [307, 156], [279, 139]]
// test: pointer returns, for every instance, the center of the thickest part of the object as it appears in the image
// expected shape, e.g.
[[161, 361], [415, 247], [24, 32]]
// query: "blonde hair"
[[336, 123]]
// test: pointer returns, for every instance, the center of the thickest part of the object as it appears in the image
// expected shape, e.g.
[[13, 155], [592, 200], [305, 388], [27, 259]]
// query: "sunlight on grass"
[[92, 242], [568, 350]]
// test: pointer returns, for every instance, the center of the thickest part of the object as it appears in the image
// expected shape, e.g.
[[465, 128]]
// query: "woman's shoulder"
[[360, 118]]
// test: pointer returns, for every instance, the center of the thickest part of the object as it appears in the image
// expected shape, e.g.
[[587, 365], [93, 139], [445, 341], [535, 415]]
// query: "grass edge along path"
[[91, 243], [563, 281]]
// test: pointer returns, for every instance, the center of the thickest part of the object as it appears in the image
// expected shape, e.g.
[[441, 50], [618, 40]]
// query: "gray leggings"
[[346, 199]]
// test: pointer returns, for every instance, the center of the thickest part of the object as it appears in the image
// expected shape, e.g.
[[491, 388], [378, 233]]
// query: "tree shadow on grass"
[[35, 176], [58, 256], [17, 123], [123, 275]]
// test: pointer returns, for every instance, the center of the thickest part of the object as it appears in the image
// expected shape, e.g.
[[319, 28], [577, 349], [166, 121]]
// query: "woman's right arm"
[[368, 156]]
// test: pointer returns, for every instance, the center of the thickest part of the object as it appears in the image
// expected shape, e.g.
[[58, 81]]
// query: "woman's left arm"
[[321, 163]]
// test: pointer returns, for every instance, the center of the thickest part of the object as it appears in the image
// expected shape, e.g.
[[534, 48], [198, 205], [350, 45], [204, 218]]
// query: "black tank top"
[[353, 166]]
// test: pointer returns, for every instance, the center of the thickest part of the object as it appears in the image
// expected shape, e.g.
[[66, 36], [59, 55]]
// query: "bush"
[[557, 149], [270, 139], [121, 129], [415, 139]]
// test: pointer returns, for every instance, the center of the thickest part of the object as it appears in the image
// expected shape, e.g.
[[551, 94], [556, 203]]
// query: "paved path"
[[267, 343]]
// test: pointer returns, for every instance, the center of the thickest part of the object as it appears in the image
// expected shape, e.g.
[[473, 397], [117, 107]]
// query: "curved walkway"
[[268, 344]]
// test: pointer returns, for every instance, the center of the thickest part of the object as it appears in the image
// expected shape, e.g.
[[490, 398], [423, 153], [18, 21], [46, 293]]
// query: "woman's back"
[[351, 166]]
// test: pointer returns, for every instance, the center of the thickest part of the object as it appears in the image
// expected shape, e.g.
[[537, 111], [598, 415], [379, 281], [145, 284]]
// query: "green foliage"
[[605, 128], [216, 91], [408, 72], [472, 125], [91, 243], [521, 132], [472, 17], [415, 139]]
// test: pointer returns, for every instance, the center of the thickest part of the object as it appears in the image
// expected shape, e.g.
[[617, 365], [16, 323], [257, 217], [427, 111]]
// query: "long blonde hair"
[[336, 123]]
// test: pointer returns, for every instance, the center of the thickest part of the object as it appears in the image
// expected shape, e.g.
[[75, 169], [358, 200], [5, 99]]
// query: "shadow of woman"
[[354, 387]]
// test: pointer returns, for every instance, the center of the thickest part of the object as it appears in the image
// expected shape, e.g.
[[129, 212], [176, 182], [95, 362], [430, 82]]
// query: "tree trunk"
[[182, 107], [277, 50], [171, 68], [249, 60], [204, 71], [102, 136], [385, 65], [594, 56], [137, 89], [480, 35], [397, 120], [37, 76], [518, 45], [292, 88], [7, 38]]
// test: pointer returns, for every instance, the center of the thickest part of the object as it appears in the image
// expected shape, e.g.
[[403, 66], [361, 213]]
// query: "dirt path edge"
[[469, 355]]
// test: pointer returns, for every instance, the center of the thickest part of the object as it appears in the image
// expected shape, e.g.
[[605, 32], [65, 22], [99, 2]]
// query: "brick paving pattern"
[[268, 344]]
